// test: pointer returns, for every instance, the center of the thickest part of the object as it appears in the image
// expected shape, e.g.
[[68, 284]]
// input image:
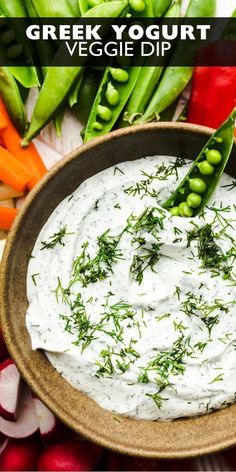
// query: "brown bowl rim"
[[225, 442]]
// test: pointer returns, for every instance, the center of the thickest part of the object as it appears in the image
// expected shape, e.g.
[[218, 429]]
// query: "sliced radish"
[[27, 422], [3, 349], [20, 454], [70, 455], [51, 430], [10, 383]]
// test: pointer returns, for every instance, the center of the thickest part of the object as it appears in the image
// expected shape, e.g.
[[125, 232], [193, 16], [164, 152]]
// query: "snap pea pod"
[[113, 93], [86, 96], [175, 79], [58, 9], [199, 184], [146, 83], [46, 50], [12, 99], [116, 86], [139, 7], [27, 76], [201, 9], [160, 7], [59, 80]]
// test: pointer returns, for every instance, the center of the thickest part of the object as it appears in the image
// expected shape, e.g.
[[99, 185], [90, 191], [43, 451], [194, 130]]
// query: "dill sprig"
[[113, 361], [151, 221], [142, 187], [147, 258], [56, 238], [170, 362], [195, 305], [89, 270], [209, 252]]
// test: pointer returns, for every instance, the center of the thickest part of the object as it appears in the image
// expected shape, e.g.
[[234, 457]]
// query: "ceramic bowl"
[[174, 439]]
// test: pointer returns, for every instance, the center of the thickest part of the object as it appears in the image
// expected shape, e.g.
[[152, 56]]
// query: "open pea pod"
[[116, 86], [195, 190], [113, 93]]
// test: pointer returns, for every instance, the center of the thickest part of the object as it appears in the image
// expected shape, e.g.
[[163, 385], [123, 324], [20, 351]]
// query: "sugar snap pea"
[[27, 76], [86, 96], [146, 83], [113, 93], [58, 9], [12, 99], [59, 80], [195, 190], [175, 79], [160, 7]]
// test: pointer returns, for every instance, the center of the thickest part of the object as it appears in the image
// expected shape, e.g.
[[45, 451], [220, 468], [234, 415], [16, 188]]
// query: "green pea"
[[197, 185], [206, 168], [7, 37], [194, 200], [15, 51], [104, 113], [112, 95], [174, 211], [120, 75], [214, 157], [184, 210], [97, 126], [94, 3], [137, 5]]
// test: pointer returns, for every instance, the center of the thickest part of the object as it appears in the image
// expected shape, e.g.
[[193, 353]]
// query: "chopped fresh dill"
[[33, 277], [218, 378], [117, 169], [147, 258], [209, 252], [230, 186], [89, 270], [200, 346], [158, 399], [162, 317], [56, 238]]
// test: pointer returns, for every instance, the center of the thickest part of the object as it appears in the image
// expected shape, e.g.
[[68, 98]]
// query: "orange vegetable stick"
[[28, 156], [3, 123], [12, 172], [7, 216]]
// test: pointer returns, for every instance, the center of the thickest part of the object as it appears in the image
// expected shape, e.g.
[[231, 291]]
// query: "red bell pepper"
[[213, 93]]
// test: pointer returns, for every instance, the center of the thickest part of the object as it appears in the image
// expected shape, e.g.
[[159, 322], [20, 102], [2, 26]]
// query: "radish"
[[27, 422], [51, 430], [10, 383], [20, 454], [3, 349], [70, 455]]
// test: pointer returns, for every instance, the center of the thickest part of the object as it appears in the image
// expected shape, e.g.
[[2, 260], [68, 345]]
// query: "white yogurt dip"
[[132, 306]]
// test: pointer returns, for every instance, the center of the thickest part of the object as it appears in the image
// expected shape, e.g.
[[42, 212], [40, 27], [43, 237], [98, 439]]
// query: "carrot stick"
[[12, 172], [28, 156], [3, 123], [7, 216], [7, 192]]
